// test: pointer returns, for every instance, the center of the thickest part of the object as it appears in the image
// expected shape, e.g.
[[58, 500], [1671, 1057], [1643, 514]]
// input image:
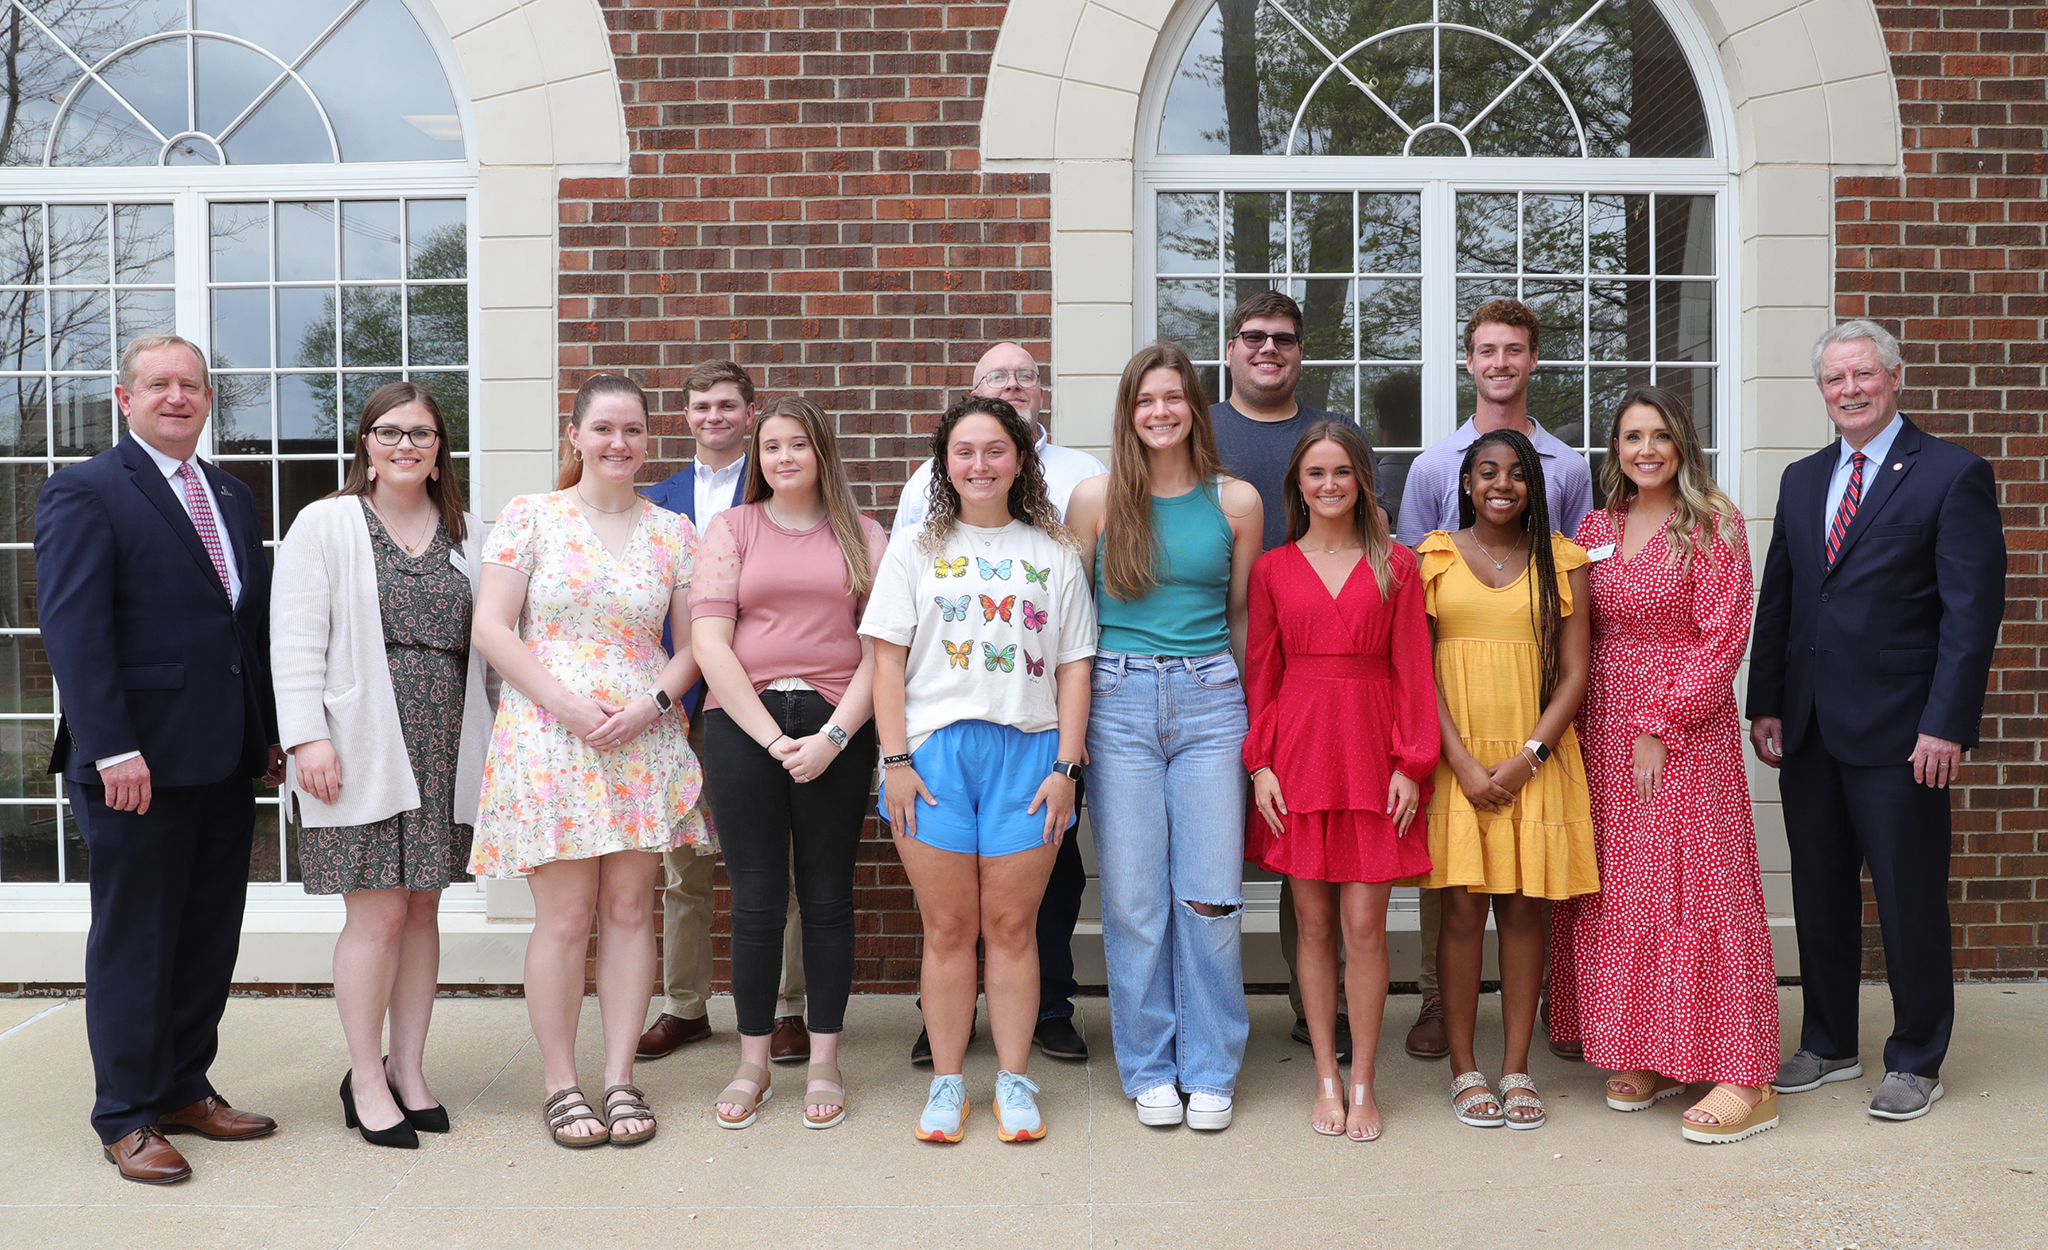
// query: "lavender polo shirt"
[[1429, 501]]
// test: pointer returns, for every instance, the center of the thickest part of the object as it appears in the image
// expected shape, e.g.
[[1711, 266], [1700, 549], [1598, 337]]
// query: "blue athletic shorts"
[[984, 776]]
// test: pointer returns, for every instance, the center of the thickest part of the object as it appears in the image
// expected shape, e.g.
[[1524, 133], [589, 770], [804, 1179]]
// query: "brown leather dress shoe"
[[1429, 1039], [791, 1041], [669, 1032], [212, 1117], [145, 1157]]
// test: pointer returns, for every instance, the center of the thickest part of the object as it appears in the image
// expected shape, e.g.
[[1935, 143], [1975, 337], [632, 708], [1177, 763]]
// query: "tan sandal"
[[568, 1106], [1734, 1118], [824, 1077], [631, 1104], [1646, 1089], [753, 1074], [1524, 1100], [1331, 1093], [1481, 1093]]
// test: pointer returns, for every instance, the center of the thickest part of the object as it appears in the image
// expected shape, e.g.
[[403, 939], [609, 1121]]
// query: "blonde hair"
[[1703, 509], [1130, 548], [840, 509]]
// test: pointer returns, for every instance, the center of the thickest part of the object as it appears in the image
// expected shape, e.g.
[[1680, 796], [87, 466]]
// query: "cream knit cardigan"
[[333, 679]]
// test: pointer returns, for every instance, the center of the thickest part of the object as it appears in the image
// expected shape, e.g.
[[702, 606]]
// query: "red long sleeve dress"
[[1668, 969], [1341, 694]]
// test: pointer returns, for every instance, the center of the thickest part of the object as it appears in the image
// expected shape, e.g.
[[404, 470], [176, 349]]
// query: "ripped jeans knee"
[[1213, 911]]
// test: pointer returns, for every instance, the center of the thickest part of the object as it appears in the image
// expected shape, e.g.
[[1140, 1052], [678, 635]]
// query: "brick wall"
[[1950, 257], [805, 197]]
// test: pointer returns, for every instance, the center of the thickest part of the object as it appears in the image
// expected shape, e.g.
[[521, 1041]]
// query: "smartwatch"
[[662, 703], [835, 735], [1535, 747], [1068, 769]]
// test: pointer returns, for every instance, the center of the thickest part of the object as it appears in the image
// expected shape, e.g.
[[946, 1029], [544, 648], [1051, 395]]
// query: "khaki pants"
[[1432, 925], [686, 913], [686, 940]]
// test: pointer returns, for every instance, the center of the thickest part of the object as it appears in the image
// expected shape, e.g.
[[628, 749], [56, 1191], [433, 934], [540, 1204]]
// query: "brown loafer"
[[212, 1117], [669, 1032], [145, 1157], [1429, 1039], [791, 1041]]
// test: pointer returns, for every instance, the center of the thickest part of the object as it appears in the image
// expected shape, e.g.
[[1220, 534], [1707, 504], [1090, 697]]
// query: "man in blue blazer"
[[718, 405], [1875, 625], [155, 598]]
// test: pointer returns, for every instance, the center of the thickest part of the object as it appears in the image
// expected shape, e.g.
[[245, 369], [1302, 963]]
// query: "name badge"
[[1600, 552], [455, 558]]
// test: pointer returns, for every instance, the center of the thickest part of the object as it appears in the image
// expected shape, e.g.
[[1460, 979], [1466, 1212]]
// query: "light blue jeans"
[[1166, 799]]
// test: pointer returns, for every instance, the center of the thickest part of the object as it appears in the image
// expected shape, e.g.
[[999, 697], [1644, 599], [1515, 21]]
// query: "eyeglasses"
[[424, 436], [1003, 377], [1255, 339]]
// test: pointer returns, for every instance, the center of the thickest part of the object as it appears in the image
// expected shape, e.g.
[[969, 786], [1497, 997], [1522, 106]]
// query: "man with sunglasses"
[[1256, 430], [1007, 372]]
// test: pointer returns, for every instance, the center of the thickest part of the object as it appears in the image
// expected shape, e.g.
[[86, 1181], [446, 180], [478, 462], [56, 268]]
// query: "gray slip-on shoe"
[[1905, 1096], [1806, 1070]]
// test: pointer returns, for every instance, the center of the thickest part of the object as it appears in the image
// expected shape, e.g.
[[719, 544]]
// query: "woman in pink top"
[[781, 581]]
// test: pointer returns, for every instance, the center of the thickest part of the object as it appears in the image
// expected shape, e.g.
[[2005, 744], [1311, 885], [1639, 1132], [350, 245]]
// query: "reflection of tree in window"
[[1621, 69]]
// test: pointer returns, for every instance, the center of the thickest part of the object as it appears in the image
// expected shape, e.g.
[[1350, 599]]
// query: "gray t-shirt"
[[1258, 452]]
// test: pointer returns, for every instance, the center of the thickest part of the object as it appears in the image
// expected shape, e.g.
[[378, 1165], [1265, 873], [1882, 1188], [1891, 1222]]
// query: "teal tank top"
[[1184, 614]]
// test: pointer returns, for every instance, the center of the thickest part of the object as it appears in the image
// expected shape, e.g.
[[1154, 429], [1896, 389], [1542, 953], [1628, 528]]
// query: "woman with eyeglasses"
[[381, 704]]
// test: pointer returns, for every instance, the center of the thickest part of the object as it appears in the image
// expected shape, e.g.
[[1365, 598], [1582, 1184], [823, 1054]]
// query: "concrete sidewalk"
[[1974, 1173]]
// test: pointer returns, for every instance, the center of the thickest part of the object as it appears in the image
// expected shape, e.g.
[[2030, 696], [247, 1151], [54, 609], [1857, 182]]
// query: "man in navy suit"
[[1880, 605], [718, 404], [155, 598]]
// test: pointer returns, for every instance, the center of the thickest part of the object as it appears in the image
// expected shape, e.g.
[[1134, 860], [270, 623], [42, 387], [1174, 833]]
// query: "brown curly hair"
[[1028, 500]]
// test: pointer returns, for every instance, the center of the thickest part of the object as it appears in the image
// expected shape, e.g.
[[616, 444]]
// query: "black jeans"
[[762, 815], [1058, 912]]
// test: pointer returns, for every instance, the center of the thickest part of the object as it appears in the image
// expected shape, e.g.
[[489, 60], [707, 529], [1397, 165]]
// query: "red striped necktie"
[[202, 520], [1847, 511]]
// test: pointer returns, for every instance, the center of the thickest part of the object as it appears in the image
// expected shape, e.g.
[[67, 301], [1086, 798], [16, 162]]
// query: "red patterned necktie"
[[202, 520], [1847, 511]]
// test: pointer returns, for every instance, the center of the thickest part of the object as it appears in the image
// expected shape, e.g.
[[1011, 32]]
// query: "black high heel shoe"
[[432, 1120], [400, 1135]]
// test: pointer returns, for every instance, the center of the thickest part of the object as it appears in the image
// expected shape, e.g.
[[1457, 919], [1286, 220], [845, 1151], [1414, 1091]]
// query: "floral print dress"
[[594, 619]]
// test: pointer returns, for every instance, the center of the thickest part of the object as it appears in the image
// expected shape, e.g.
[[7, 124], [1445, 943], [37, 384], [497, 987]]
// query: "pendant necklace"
[[1499, 566]]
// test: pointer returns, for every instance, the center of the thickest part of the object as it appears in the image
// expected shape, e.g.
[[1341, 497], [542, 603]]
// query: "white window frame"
[[1439, 180], [190, 189]]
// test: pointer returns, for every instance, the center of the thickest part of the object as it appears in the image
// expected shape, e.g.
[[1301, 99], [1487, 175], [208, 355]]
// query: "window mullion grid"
[[1439, 309]]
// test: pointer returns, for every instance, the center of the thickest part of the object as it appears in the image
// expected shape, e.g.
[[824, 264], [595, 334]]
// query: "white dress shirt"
[[1065, 469], [715, 489], [169, 468], [1874, 453]]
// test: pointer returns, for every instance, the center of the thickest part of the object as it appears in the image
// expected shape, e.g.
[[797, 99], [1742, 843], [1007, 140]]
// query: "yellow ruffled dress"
[[1490, 672]]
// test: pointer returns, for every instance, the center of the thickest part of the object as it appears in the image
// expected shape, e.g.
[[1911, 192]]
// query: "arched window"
[[289, 185], [1393, 164]]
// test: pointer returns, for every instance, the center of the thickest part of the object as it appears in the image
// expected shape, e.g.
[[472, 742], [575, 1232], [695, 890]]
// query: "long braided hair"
[[1028, 500], [1546, 605]]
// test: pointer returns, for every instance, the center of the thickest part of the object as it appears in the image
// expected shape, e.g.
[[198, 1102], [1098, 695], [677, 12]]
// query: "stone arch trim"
[[1809, 82], [543, 93]]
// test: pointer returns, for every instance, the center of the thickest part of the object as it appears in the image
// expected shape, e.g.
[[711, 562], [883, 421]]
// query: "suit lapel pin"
[[1898, 466]]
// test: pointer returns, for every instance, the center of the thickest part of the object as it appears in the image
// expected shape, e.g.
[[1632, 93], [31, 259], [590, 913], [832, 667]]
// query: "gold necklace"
[[580, 499], [413, 547]]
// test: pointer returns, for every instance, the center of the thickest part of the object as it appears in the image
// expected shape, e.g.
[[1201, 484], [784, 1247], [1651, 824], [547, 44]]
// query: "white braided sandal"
[[1523, 1101], [1481, 1093]]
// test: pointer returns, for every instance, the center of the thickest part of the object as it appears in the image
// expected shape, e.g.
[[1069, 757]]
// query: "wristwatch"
[[662, 703], [1535, 747], [1067, 768], [835, 735]]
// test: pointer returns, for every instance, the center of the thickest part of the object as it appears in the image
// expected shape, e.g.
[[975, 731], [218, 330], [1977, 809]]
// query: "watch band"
[[1068, 769], [835, 735], [1536, 748], [662, 703]]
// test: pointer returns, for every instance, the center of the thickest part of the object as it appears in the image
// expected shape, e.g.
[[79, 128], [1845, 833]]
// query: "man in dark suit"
[[718, 405], [155, 598], [1880, 605]]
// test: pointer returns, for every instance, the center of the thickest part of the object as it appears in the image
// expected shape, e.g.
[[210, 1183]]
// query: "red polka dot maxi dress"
[[1669, 967]]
